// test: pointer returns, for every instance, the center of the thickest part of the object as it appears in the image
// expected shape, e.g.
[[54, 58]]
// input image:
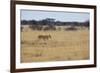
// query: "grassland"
[[63, 45]]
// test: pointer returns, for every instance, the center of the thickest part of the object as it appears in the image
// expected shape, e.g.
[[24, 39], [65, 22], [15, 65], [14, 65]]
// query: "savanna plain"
[[63, 45]]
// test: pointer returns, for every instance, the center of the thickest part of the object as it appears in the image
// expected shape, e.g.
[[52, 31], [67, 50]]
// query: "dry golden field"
[[63, 45]]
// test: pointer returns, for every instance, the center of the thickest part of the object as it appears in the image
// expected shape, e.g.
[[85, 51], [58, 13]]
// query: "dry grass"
[[63, 45]]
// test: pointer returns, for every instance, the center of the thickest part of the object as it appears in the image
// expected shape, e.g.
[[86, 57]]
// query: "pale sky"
[[57, 15]]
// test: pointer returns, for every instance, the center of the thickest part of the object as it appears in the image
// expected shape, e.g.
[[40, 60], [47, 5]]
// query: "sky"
[[57, 15]]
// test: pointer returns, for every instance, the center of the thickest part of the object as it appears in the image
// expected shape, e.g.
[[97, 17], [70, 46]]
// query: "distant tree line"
[[50, 24]]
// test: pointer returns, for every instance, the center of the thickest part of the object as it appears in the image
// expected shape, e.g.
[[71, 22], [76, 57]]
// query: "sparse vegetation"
[[51, 24]]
